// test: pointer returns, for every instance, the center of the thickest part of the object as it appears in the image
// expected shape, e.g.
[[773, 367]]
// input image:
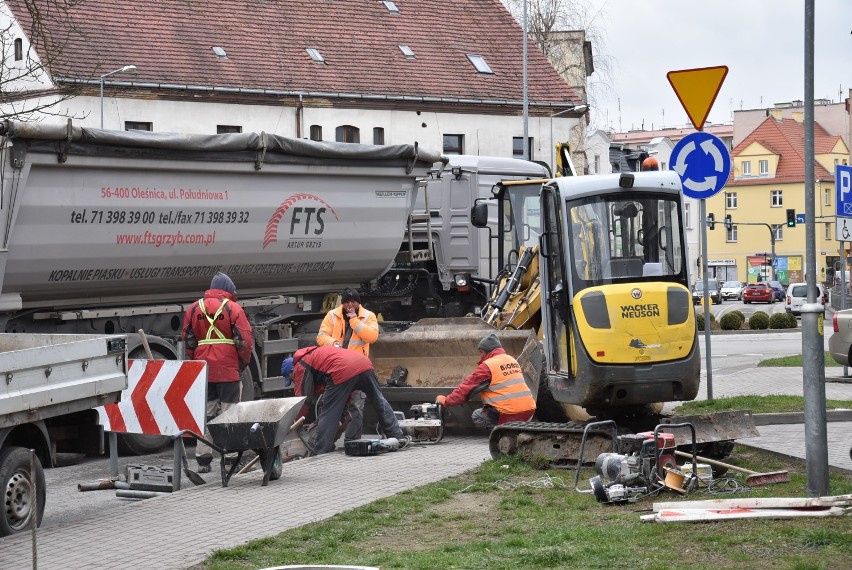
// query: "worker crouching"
[[334, 373], [499, 381]]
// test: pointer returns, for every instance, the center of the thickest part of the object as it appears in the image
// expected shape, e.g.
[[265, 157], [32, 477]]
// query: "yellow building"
[[768, 180]]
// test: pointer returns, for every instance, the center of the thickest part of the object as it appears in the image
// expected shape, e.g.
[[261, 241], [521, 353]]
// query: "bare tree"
[[572, 35], [30, 50]]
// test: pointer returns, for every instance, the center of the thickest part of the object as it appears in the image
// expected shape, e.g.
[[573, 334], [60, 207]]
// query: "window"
[[827, 193], [220, 53], [828, 235], [687, 215], [731, 234], [315, 55], [19, 52], [453, 144], [746, 168], [730, 200], [597, 164], [518, 147], [316, 133], [378, 135], [777, 198], [347, 134], [779, 232], [764, 166], [223, 129], [391, 7], [479, 63], [138, 126], [406, 51]]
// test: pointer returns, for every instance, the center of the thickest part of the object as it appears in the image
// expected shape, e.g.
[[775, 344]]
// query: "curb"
[[799, 417]]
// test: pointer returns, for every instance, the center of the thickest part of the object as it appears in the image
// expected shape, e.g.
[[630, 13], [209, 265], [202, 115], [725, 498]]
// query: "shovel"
[[192, 475], [754, 478]]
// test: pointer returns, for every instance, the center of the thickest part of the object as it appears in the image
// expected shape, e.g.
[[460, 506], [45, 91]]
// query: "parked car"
[[758, 292], [712, 287], [840, 342], [732, 290], [779, 290], [797, 295]]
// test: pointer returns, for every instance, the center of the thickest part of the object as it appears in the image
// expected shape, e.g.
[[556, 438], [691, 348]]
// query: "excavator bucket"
[[437, 355]]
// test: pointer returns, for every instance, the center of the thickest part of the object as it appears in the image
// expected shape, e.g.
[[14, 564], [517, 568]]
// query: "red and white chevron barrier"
[[162, 397]]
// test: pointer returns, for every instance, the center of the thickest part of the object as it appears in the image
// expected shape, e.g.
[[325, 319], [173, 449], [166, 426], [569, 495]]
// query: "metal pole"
[[816, 437], [102, 102], [772, 231], [843, 288], [526, 146], [708, 351]]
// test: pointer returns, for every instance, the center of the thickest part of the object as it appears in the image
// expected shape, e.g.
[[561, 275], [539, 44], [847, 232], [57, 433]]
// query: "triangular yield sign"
[[697, 90]]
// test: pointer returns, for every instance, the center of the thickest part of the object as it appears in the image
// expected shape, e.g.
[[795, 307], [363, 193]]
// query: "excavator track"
[[557, 442]]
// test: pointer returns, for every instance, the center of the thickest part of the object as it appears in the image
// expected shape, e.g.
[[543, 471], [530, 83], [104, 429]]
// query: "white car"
[[797, 295], [733, 290]]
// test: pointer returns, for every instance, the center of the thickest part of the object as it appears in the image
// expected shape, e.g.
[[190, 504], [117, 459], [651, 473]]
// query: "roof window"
[[406, 51], [391, 7], [315, 55], [220, 52], [479, 63]]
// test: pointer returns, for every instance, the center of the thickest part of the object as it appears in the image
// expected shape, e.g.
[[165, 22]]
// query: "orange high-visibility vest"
[[508, 393]]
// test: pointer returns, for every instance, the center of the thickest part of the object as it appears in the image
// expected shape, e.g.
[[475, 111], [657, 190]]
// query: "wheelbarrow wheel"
[[276, 469]]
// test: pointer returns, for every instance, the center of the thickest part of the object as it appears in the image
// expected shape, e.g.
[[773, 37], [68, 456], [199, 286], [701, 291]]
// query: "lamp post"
[[125, 69], [526, 112], [553, 146]]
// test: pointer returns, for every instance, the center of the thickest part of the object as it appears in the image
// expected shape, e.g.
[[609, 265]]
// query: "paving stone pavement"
[[181, 530]]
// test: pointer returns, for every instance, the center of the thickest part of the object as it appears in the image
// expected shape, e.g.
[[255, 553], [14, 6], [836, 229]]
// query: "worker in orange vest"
[[500, 383]]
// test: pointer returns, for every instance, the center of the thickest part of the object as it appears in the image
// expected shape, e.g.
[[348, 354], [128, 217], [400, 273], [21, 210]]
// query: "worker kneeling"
[[335, 372], [499, 381]]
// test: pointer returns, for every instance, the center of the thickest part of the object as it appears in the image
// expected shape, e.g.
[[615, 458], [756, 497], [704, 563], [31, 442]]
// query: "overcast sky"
[[761, 41]]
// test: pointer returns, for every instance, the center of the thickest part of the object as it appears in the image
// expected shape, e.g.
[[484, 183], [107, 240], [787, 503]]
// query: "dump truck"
[[594, 297], [51, 384], [120, 231]]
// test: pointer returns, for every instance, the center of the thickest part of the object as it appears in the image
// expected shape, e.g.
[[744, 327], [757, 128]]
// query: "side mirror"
[[479, 215]]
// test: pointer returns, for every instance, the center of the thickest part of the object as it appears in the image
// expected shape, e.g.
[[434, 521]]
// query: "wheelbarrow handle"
[[201, 438], [298, 423]]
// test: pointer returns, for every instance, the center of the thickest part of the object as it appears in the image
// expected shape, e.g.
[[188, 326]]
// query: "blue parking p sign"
[[843, 183]]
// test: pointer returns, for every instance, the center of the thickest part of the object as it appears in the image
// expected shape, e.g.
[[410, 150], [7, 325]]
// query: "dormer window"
[[479, 63], [316, 56], [391, 7]]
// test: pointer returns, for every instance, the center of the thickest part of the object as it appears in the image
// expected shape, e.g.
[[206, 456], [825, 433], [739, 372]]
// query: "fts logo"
[[306, 215]]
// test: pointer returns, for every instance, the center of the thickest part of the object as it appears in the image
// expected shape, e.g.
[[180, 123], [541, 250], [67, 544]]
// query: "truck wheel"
[[16, 482]]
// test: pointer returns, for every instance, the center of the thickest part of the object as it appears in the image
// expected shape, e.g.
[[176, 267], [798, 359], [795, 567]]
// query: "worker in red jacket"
[[216, 330], [499, 381], [335, 372]]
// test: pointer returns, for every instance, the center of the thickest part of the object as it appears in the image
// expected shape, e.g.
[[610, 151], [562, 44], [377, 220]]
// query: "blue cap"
[[287, 367], [223, 283]]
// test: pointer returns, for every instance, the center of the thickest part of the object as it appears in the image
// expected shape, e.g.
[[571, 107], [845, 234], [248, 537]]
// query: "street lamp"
[[125, 69], [578, 108]]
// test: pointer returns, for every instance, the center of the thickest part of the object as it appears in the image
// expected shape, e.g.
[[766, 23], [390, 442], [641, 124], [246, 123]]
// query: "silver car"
[[732, 290], [840, 342]]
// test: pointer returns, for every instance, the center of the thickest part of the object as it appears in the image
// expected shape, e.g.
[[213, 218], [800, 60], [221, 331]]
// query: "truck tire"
[[16, 484]]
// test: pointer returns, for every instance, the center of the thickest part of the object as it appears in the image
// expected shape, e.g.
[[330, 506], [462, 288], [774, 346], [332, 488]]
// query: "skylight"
[[406, 51], [220, 52], [479, 63], [390, 6], [315, 55]]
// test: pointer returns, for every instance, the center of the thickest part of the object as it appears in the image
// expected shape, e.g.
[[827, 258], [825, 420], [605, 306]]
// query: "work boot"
[[203, 468], [398, 377]]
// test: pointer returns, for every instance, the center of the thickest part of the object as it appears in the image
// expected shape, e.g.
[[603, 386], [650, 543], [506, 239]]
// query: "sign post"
[[703, 163]]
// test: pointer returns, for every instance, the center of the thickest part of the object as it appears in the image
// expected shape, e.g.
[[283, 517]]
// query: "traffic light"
[[711, 221], [728, 222], [791, 218]]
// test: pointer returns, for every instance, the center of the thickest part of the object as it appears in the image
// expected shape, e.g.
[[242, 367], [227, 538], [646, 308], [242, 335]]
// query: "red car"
[[758, 292]]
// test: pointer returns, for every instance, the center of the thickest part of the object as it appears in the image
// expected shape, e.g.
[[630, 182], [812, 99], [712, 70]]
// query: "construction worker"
[[650, 163], [216, 330], [336, 373], [499, 381], [352, 327]]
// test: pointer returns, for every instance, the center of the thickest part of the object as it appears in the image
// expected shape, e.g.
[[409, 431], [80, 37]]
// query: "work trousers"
[[221, 396], [334, 402], [489, 417], [355, 427]]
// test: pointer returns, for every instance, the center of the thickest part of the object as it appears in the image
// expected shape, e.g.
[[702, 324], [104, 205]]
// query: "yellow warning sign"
[[697, 90]]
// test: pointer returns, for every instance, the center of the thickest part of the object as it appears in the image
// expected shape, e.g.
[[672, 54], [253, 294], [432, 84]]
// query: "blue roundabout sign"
[[703, 163]]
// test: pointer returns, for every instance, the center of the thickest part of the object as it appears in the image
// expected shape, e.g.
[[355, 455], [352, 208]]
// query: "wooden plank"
[[758, 503], [699, 515]]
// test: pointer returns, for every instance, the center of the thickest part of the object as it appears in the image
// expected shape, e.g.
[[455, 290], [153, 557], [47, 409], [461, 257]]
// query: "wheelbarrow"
[[260, 426]]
